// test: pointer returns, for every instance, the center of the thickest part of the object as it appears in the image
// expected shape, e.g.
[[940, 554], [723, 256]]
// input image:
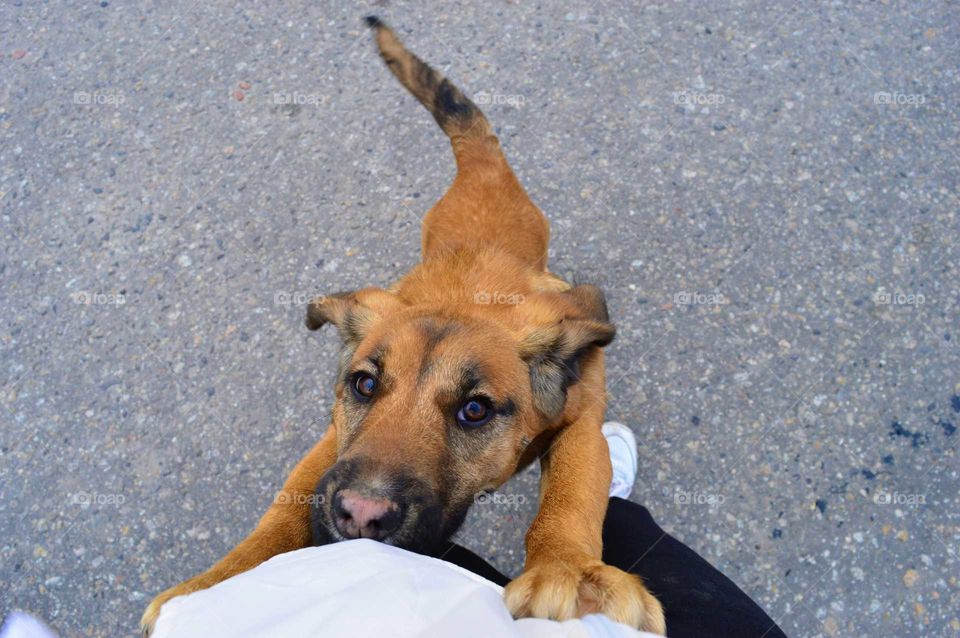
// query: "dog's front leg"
[[285, 527], [563, 576]]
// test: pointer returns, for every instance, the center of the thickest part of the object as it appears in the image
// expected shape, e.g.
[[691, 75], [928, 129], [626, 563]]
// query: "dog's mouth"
[[354, 500]]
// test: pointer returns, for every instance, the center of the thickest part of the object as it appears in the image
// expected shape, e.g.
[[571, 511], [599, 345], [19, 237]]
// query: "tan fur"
[[484, 236]]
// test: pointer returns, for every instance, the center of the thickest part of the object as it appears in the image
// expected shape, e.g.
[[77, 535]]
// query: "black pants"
[[699, 601]]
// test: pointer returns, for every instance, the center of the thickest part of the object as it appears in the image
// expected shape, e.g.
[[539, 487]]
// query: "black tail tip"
[[373, 22]]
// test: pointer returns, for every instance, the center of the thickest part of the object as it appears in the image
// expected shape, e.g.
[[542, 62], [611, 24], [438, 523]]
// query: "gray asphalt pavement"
[[766, 191]]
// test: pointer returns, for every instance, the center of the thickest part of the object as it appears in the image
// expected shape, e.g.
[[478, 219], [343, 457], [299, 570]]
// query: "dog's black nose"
[[358, 516]]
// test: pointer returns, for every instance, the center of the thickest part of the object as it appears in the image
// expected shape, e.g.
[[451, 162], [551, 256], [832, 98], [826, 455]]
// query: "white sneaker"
[[623, 457]]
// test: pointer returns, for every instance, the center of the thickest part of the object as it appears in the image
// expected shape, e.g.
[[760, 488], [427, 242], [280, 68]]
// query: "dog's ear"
[[554, 352], [353, 313]]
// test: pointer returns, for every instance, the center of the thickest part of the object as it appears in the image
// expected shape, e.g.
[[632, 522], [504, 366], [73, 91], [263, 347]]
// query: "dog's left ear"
[[353, 313], [554, 352]]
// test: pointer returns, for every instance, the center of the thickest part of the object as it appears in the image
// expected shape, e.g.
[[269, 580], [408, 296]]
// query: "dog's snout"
[[360, 498], [359, 516]]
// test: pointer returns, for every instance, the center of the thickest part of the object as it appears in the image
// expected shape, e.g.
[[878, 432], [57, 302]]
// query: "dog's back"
[[486, 205]]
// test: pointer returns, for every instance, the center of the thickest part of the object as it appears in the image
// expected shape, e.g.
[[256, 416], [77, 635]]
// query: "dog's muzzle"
[[358, 498]]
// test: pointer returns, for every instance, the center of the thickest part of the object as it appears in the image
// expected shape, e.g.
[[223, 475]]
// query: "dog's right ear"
[[353, 313]]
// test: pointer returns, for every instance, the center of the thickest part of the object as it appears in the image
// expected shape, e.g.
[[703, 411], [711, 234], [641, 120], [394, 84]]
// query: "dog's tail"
[[485, 200], [462, 121]]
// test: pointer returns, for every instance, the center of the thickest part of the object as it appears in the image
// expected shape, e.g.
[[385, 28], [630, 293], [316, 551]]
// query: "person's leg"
[[697, 599], [459, 555]]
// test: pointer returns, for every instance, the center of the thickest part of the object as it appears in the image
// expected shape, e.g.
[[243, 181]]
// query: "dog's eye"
[[363, 385], [475, 412]]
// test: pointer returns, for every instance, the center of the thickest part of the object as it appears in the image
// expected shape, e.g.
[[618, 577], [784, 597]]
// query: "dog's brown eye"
[[476, 411], [364, 385]]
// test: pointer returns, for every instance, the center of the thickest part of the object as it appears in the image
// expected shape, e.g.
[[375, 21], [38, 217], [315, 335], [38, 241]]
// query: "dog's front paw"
[[149, 619], [561, 591]]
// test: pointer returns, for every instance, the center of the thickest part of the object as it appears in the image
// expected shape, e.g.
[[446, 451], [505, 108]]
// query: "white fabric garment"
[[20, 624], [362, 588]]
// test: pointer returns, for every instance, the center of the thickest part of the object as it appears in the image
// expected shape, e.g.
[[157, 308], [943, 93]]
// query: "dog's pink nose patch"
[[358, 516]]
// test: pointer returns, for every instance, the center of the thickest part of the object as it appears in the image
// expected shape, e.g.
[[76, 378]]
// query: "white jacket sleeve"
[[362, 588]]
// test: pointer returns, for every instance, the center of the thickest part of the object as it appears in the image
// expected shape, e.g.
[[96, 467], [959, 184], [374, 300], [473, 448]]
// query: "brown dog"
[[443, 393]]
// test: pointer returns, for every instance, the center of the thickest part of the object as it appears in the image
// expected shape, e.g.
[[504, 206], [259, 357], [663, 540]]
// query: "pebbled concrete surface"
[[767, 192]]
